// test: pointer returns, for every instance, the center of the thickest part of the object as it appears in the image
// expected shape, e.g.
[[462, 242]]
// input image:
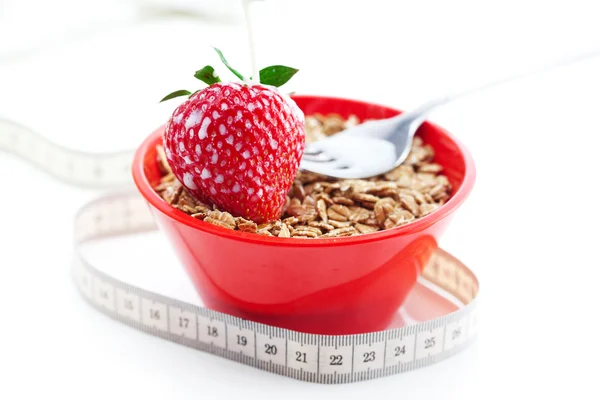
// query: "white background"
[[529, 229]]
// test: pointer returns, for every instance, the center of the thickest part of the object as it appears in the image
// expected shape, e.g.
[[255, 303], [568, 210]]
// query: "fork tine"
[[330, 169], [319, 157], [311, 151]]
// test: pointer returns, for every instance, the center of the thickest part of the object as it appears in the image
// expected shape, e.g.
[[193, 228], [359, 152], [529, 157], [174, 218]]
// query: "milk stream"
[[251, 43]]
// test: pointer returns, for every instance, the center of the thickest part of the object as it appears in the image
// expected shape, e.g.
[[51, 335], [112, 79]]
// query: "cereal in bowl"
[[323, 207], [231, 152]]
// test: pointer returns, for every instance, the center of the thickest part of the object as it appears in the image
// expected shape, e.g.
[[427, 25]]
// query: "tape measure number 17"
[[330, 359]]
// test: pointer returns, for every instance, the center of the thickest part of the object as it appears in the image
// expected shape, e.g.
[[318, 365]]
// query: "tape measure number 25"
[[308, 357]]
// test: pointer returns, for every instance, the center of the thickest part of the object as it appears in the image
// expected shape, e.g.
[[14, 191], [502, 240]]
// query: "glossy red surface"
[[328, 286]]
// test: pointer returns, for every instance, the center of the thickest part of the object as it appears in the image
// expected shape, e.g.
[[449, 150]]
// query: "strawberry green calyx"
[[207, 75], [224, 61], [274, 75], [176, 93]]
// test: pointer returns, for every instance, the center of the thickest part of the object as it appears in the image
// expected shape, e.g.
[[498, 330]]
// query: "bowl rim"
[[153, 198]]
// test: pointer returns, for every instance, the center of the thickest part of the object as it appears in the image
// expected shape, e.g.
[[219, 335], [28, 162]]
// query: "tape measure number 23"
[[308, 357]]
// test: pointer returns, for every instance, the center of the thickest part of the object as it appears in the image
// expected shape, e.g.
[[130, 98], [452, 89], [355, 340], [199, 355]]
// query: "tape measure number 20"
[[308, 357]]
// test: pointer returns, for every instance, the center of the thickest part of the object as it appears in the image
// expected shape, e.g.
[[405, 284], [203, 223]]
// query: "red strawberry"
[[237, 146]]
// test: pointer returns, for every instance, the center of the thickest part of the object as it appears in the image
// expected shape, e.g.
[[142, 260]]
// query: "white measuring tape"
[[307, 357]]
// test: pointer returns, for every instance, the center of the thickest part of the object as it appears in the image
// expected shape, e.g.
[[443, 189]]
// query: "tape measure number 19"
[[307, 357]]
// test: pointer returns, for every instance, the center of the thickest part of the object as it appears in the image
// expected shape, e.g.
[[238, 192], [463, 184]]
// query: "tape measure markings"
[[338, 359], [308, 357]]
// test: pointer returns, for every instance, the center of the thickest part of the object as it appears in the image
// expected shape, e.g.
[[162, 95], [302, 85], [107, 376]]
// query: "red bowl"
[[328, 286]]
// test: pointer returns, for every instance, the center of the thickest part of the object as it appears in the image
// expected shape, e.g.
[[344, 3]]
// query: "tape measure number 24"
[[308, 357]]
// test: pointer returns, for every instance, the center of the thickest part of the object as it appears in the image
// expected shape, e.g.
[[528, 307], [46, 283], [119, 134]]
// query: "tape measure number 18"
[[307, 357]]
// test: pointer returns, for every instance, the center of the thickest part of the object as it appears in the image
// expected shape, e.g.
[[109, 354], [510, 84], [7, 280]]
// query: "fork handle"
[[418, 115]]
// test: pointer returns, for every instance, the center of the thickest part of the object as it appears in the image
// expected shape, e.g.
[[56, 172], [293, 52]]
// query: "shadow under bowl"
[[344, 285]]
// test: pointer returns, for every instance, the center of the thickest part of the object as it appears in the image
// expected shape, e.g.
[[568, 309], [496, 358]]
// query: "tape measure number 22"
[[308, 357]]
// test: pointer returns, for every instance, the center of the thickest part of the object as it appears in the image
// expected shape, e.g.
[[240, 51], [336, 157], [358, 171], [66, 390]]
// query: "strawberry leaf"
[[276, 75], [207, 75], [224, 61], [176, 93]]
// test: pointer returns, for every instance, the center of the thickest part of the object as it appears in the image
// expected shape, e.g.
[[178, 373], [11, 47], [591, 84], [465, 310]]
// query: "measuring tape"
[[308, 357]]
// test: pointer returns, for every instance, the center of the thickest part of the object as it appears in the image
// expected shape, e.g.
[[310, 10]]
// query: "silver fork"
[[368, 149], [376, 147]]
